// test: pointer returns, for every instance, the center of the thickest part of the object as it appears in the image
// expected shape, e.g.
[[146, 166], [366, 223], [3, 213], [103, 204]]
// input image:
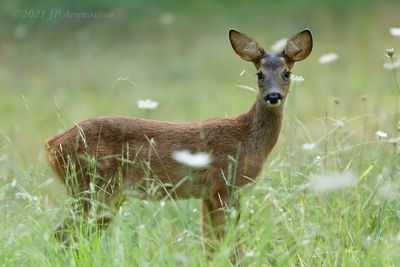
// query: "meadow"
[[329, 192]]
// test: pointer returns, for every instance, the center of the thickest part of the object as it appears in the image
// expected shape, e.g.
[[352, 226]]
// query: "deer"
[[115, 154]]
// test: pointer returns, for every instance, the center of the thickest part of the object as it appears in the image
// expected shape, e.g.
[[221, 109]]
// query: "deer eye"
[[260, 76], [286, 75]]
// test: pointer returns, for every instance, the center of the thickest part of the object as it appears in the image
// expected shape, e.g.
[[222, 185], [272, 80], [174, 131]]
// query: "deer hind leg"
[[95, 201]]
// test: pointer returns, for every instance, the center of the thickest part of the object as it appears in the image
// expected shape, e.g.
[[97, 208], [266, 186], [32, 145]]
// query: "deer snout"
[[273, 99]]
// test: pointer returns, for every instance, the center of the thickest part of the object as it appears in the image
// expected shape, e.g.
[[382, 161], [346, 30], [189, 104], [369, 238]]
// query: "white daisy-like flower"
[[388, 191], [279, 45], [332, 181], [296, 79], [147, 104], [308, 146], [392, 65], [395, 31], [198, 160], [328, 58], [166, 18], [250, 254], [380, 134]]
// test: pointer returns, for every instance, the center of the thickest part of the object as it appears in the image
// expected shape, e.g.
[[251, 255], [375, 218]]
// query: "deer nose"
[[273, 98]]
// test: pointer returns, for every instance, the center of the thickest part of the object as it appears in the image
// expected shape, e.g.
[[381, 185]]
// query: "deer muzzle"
[[273, 99]]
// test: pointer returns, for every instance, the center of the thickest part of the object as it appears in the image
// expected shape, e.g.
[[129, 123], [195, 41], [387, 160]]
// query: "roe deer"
[[112, 154]]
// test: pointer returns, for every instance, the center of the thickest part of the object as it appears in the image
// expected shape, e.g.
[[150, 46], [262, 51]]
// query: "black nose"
[[273, 98]]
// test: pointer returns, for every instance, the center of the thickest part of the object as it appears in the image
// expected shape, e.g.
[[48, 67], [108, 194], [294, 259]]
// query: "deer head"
[[273, 69]]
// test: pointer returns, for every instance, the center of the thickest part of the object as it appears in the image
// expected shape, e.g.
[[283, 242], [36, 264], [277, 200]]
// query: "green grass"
[[61, 73]]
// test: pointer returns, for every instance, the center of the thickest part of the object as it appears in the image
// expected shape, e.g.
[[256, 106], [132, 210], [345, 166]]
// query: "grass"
[[53, 79]]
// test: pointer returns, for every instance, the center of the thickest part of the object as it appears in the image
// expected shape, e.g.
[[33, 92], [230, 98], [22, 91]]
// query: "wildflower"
[[389, 52], [181, 259], [392, 65], [308, 146], [296, 79], [166, 18], [395, 32], [328, 58], [147, 104], [332, 181], [338, 123], [367, 242], [380, 134], [388, 191], [250, 254], [197, 160], [336, 101], [279, 45]]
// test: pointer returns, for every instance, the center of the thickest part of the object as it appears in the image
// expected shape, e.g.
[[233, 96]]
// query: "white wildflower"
[[27, 196], [388, 191], [181, 259], [162, 204], [279, 45], [20, 31], [338, 123], [328, 58], [395, 31], [147, 104], [296, 79], [250, 254], [166, 18], [332, 181], [389, 52], [367, 242], [392, 65], [380, 134], [196, 160], [308, 146]]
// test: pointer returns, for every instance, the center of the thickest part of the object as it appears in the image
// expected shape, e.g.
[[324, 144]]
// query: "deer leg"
[[213, 222], [80, 215], [213, 216], [65, 231]]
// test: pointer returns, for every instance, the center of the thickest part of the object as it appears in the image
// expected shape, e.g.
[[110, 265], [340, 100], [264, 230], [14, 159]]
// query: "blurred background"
[[60, 65]]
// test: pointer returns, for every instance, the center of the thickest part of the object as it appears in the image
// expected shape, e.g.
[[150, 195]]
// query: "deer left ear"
[[299, 46]]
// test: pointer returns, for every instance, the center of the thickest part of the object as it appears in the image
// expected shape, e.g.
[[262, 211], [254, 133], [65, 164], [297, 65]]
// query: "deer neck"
[[265, 125]]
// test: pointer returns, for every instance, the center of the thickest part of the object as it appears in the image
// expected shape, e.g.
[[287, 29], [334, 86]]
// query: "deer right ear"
[[245, 46]]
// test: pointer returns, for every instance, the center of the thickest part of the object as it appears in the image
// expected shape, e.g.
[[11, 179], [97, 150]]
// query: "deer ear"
[[299, 46], [245, 46]]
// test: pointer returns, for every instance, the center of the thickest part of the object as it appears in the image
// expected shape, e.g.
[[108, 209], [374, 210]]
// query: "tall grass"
[[50, 80]]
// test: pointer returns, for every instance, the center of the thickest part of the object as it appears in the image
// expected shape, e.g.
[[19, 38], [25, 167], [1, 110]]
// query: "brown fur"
[[137, 153]]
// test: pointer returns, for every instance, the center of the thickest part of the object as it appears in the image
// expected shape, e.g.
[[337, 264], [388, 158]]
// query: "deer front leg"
[[214, 220]]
